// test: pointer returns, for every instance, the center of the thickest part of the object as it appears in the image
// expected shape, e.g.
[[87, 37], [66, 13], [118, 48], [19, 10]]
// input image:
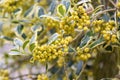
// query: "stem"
[[81, 71], [102, 12], [65, 68]]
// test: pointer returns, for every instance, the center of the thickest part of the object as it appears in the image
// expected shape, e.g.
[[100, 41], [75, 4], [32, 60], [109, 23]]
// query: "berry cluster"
[[78, 19], [11, 5], [52, 51], [42, 77], [106, 29], [83, 54], [51, 23], [4, 75]]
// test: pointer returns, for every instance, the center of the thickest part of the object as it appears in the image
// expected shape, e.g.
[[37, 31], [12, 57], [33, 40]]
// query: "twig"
[[65, 68], [113, 3], [102, 12], [84, 65]]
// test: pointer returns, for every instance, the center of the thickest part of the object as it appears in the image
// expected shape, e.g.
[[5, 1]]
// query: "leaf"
[[36, 27], [24, 36], [15, 52], [40, 11], [53, 38], [28, 11], [25, 44], [97, 42], [83, 1], [6, 38], [61, 10], [67, 4], [1, 25], [105, 17], [98, 8], [86, 39], [19, 28], [18, 42], [31, 47], [79, 67], [52, 7], [33, 39]]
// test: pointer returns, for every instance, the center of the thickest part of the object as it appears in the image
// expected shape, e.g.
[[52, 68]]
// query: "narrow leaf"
[[25, 44], [32, 46], [53, 38], [97, 42]]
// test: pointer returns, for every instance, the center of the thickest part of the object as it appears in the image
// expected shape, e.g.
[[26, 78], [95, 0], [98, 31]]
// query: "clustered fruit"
[[78, 18], [4, 74], [49, 52], [83, 54], [42, 77], [107, 29], [11, 5], [51, 23]]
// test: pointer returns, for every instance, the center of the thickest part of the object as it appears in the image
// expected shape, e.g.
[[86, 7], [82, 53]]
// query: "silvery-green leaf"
[[52, 7], [40, 11], [67, 4], [33, 39], [86, 39], [19, 28], [53, 38], [97, 42], [18, 42], [6, 38]]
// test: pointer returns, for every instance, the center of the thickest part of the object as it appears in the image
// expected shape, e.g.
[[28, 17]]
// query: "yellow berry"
[[86, 50]]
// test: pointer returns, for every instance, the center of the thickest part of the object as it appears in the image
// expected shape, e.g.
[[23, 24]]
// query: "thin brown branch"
[[102, 12]]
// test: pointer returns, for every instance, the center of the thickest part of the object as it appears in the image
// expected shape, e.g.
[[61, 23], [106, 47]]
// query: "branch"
[[84, 65], [102, 12]]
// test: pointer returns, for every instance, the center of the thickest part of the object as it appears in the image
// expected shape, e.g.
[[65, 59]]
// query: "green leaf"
[[97, 42], [61, 10], [31, 47], [24, 36], [18, 42], [6, 38], [86, 39], [28, 11], [53, 38], [19, 28], [25, 44], [15, 52], [98, 8]]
